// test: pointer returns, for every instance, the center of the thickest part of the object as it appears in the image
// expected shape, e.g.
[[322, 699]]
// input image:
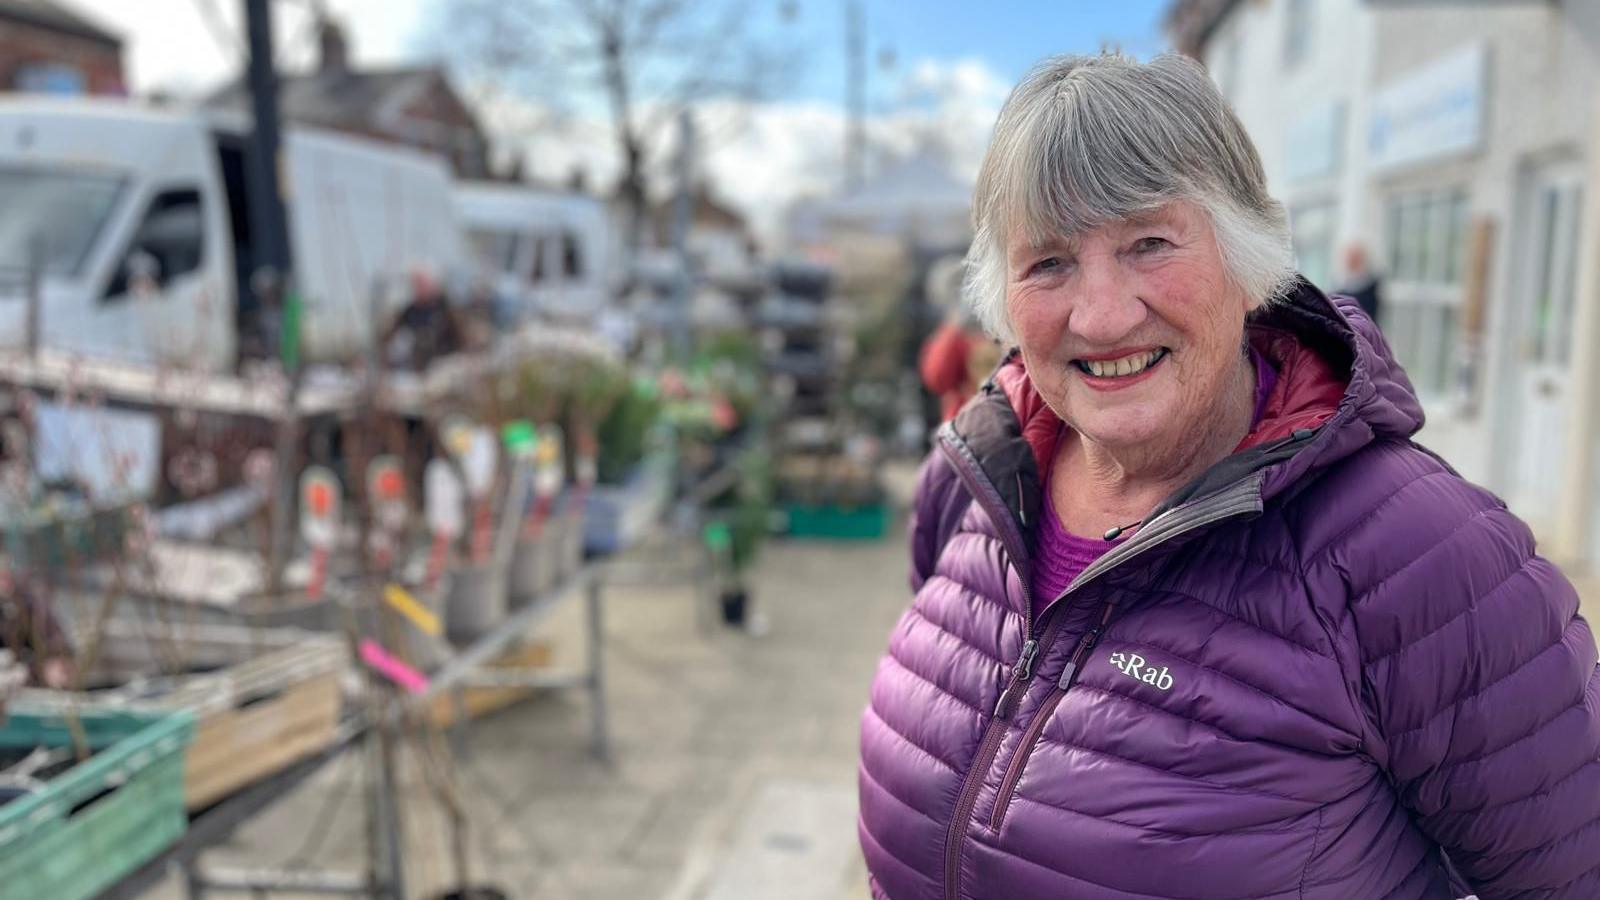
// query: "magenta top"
[[1059, 555]]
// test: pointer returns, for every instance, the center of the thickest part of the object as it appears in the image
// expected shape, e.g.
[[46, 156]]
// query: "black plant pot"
[[735, 603], [475, 892]]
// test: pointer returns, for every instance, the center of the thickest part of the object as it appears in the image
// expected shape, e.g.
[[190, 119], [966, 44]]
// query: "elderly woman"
[[1194, 616]]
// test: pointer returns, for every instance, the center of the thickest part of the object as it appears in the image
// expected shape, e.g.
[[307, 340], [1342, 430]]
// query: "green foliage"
[[624, 432], [737, 347], [744, 509]]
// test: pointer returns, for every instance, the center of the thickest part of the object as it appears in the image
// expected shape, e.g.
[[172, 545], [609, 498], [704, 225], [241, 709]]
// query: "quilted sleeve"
[[1479, 682], [935, 512]]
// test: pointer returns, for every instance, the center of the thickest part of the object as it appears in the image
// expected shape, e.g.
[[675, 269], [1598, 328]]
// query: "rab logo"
[[1134, 666]]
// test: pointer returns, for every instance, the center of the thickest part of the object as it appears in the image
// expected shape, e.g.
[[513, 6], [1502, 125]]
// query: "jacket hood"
[[1339, 389]]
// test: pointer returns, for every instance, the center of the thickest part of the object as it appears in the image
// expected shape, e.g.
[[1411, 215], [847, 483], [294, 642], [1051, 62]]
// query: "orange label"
[[319, 496]]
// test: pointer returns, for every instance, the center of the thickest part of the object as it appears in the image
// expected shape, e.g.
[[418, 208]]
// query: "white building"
[[1454, 138]]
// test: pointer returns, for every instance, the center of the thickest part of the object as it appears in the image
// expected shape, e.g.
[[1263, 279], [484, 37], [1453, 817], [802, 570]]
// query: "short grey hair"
[[1088, 140]]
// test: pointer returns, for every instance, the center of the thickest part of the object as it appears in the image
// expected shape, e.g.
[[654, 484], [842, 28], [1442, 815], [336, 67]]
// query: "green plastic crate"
[[102, 818], [853, 523]]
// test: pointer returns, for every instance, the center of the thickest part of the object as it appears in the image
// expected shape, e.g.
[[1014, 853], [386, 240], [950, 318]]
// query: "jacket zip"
[[994, 505], [1019, 761], [1242, 498]]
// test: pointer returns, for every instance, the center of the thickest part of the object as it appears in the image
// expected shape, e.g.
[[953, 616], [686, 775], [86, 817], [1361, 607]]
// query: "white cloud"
[[969, 79]]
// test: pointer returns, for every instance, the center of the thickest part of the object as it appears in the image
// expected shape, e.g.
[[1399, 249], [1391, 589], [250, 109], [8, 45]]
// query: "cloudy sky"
[[939, 70]]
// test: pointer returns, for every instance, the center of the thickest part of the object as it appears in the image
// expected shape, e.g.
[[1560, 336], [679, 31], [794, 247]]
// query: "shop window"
[[1427, 237], [50, 78], [1426, 249], [1312, 227]]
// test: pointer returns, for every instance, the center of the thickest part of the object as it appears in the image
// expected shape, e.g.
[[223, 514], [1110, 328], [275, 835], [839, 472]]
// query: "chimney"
[[333, 51]]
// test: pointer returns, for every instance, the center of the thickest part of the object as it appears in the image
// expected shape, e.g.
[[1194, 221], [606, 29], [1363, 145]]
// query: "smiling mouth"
[[1125, 367]]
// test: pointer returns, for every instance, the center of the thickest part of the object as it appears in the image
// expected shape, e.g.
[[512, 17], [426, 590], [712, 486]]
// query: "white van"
[[94, 191], [546, 253]]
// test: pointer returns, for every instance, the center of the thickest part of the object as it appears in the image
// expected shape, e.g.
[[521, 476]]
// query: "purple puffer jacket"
[[1330, 668]]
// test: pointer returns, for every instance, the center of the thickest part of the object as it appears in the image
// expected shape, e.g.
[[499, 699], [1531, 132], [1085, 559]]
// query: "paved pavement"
[[734, 755]]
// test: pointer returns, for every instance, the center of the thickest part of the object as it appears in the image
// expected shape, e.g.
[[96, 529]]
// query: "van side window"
[[571, 256], [539, 267], [169, 242], [496, 250]]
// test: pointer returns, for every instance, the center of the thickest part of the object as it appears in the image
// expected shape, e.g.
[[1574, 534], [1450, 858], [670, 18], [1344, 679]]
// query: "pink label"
[[392, 668]]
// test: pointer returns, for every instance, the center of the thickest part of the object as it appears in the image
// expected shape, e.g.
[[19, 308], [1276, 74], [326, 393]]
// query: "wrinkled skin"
[[1154, 281]]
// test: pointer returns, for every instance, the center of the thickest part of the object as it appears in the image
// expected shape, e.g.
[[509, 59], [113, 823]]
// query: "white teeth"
[[1120, 368]]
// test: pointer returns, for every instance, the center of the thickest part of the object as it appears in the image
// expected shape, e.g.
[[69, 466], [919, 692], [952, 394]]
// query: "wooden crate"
[[482, 701], [276, 703], [260, 716]]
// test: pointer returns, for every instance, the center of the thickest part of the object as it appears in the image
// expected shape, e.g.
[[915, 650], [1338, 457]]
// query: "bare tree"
[[641, 61]]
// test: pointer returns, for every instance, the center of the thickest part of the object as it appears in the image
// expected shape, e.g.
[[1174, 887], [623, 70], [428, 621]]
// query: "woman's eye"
[[1045, 265], [1150, 244]]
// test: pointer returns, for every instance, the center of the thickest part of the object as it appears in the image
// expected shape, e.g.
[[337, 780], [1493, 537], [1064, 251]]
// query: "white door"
[[1542, 345]]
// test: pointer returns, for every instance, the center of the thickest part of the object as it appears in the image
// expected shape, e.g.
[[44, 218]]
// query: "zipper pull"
[[1023, 670], [1085, 644], [1020, 673], [1002, 707], [1067, 675]]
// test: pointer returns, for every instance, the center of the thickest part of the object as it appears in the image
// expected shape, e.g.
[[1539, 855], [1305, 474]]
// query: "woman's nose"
[[1107, 308]]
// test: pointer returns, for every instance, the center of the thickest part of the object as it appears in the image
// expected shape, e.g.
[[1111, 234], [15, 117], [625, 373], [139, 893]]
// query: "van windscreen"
[[53, 217]]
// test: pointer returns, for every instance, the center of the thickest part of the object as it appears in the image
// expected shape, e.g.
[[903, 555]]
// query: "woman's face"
[[1130, 331]]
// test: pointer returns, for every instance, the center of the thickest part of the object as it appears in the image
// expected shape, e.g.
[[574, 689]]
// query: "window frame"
[[116, 290], [1425, 260]]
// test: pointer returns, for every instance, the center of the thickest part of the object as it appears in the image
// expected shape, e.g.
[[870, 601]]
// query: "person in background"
[[1192, 614], [943, 366], [957, 356], [1361, 283], [425, 329]]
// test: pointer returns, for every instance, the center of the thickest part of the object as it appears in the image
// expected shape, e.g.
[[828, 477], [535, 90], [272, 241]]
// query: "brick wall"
[[23, 45], [456, 135]]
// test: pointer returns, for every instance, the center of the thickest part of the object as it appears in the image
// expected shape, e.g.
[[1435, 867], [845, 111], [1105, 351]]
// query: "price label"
[[521, 439], [392, 667], [443, 499], [386, 490], [479, 462], [320, 503], [401, 601], [549, 472], [455, 433]]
